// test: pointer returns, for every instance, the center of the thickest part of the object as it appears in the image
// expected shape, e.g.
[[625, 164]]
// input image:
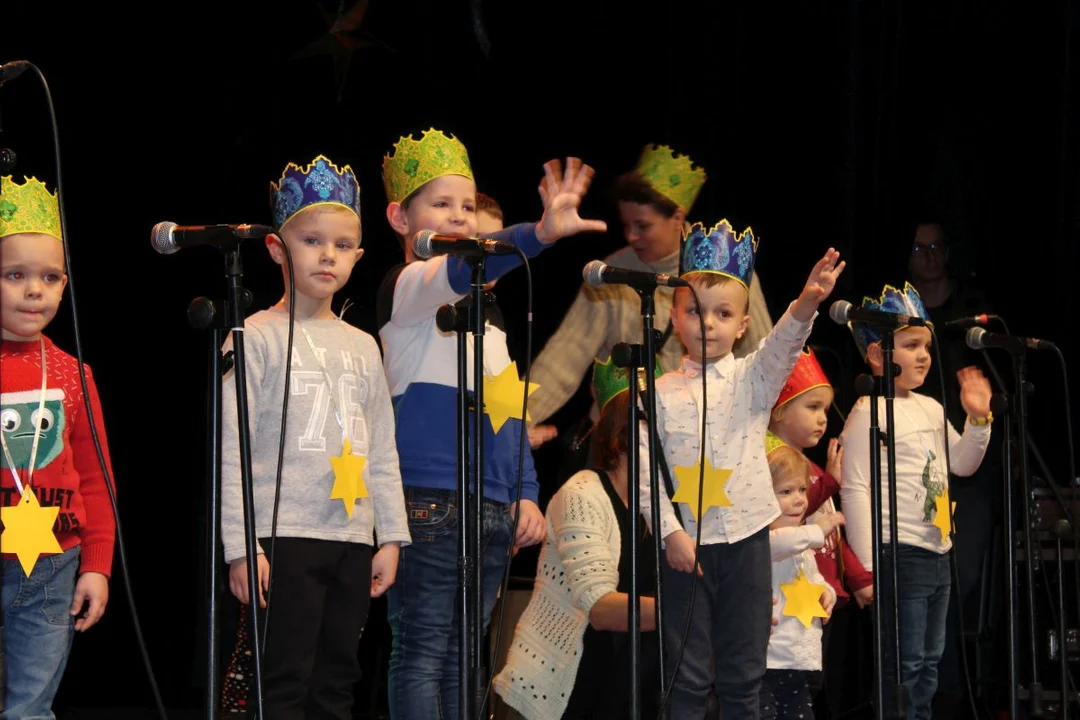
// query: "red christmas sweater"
[[67, 471], [822, 487]]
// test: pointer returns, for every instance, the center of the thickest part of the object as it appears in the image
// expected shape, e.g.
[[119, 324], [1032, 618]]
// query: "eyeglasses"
[[932, 247]]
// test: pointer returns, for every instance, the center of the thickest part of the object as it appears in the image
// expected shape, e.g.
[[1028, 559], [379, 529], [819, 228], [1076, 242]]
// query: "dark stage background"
[[838, 123]]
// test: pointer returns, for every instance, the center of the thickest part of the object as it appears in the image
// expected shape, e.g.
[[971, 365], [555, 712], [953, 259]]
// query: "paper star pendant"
[[503, 395], [28, 530], [348, 477], [802, 599], [713, 494], [942, 515]]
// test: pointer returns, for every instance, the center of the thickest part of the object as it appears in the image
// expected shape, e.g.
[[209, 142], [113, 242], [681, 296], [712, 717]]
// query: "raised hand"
[[819, 285], [561, 192], [974, 392], [835, 460]]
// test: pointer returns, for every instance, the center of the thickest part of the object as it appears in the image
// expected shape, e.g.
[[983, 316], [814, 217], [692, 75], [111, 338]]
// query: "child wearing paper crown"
[[59, 526], [429, 185], [729, 633], [806, 598], [340, 483], [569, 656], [924, 519]]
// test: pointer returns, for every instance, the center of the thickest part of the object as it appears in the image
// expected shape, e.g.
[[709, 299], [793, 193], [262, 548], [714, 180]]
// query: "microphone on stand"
[[429, 243], [597, 273], [842, 312], [971, 320], [168, 237], [12, 70], [979, 339]]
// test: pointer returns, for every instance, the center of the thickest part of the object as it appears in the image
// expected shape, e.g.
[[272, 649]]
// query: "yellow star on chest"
[[503, 395], [802, 599], [348, 477], [28, 530], [943, 510], [712, 494]]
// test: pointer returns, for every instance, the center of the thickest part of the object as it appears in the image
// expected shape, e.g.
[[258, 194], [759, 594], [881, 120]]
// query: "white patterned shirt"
[[741, 394]]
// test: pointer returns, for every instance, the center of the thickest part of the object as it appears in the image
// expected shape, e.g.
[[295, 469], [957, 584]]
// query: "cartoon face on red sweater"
[[18, 418]]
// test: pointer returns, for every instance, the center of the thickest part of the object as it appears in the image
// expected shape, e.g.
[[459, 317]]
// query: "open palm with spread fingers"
[[561, 191]]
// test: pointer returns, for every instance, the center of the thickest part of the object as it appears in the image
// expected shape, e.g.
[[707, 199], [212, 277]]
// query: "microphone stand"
[[1000, 406], [466, 316]]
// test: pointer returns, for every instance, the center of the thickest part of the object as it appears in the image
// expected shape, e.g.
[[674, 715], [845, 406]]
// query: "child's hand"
[[828, 601], [974, 392], [384, 568], [864, 597], [828, 522], [238, 579], [93, 589], [531, 527], [561, 198], [679, 549], [834, 463], [540, 434], [820, 284]]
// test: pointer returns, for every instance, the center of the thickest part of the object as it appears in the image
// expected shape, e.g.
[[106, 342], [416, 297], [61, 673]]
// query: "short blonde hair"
[[704, 280], [787, 463]]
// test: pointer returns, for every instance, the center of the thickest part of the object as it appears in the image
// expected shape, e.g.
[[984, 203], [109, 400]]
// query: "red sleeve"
[[98, 533], [820, 491], [856, 577]]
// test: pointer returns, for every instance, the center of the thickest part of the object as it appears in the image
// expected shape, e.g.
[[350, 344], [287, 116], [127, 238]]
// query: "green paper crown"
[[28, 208], [416, 162], [772, 442], [609, 380], [673, 176]]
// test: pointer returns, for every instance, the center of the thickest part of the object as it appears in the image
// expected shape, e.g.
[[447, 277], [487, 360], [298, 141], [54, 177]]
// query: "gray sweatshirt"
[[313, 435]]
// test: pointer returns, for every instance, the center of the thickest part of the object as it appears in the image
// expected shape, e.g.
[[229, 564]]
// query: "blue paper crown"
[[892, 300], [720, 251], [319, 183]]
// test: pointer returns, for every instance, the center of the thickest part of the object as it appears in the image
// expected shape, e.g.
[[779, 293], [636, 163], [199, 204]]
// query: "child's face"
[[724, 309], [325, 245], [802, 421], [911, 351], [486, 223], [32, 282], [651, 235], [446, 205], [791, 495]]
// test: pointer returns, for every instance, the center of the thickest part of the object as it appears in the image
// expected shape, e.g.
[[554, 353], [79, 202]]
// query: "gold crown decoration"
[[417, 162], [28, 208], [673, 176]]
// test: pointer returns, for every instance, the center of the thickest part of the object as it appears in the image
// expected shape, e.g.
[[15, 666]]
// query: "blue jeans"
[[38, 630], [422, 606], [923, 603]]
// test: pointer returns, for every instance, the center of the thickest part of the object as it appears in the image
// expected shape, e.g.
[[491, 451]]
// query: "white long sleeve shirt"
[[741, 393], [921, 474], [792, 645]]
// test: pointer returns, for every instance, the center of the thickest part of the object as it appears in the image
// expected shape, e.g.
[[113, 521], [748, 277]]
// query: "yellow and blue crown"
[[320, 182], [719, 251], [415, 163], [673, 176], [892, 300], [28, 208], [609, 380]]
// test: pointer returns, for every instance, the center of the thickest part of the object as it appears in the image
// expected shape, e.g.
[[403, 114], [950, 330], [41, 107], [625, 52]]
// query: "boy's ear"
[[743, 325], [359, 254], [679, 216], [874, 357], [273, 245], [395, 215]]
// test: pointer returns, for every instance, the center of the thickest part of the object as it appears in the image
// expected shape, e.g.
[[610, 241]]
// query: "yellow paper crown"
[[416, 162], [28, 208], [673, 176]]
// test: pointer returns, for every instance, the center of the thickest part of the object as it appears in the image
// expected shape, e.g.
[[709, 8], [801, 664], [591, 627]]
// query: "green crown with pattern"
[[416, 162], [772, 442], [609, 380], [28, 208], [673, 176]]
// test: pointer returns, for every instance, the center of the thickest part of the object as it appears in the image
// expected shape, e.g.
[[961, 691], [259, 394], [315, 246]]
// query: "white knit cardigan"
[[578, 565]]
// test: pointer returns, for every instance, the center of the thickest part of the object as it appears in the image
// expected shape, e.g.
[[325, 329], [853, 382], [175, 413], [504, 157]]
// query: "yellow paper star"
[[713, 494], [348, 477], [503, 394], [28, 530], [942, 517], [802, 599]]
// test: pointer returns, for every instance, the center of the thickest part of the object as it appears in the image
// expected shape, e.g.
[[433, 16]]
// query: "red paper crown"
[[806, 375]]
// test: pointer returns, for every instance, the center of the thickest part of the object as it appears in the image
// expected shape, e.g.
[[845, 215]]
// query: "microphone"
[[7, 159], [597, 273], [842, 312], [168, 237], [12, 70], [429, 243], [969, 321], [979, 339]]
